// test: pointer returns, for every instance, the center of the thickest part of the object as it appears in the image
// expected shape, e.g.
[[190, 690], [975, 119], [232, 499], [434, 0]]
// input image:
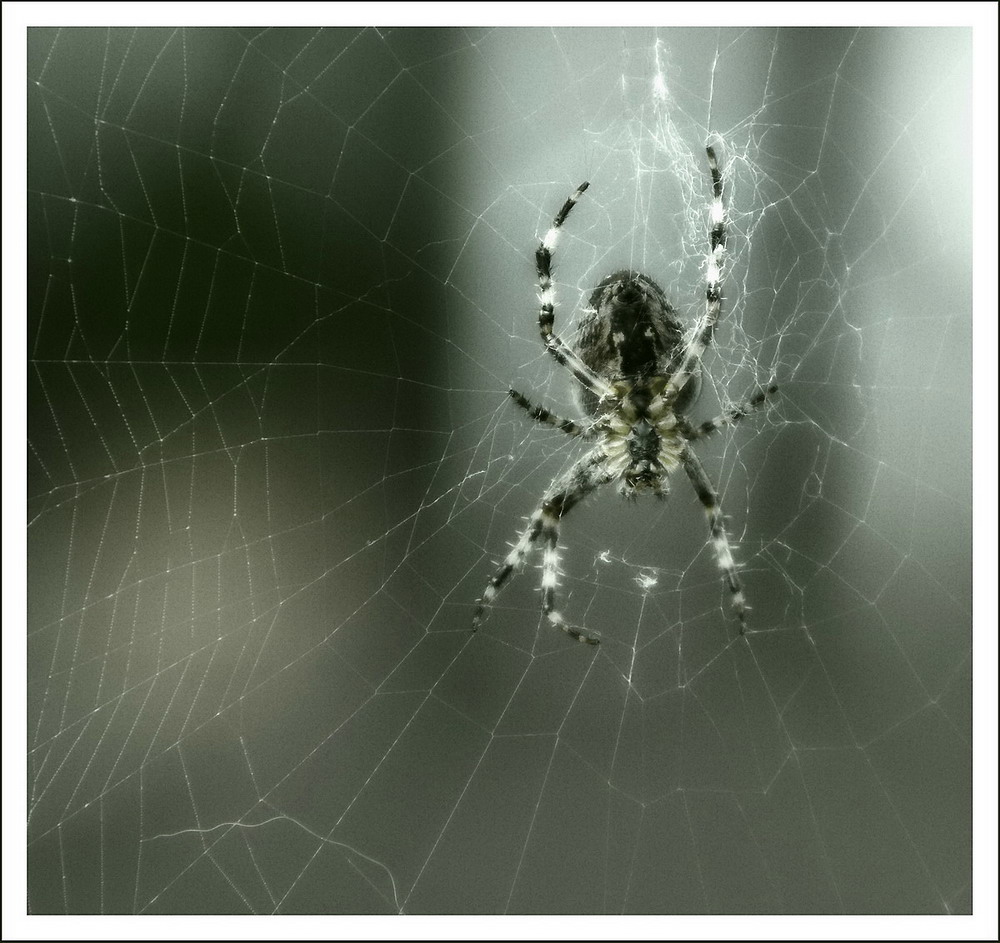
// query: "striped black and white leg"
[[543, 525], [564, 354], [709, 498], [542, 415], [732, 415], [703, 336]]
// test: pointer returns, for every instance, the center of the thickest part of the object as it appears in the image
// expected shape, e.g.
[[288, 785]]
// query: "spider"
[[638, 378]]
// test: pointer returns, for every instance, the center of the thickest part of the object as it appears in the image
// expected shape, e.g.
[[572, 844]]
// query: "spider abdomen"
[[630, 331]]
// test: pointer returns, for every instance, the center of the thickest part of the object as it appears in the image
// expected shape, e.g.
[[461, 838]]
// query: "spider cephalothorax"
[[641, 442], [638, 377]]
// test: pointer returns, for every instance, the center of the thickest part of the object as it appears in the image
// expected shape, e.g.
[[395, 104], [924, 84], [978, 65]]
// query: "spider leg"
[[731, 416], [713, 290], [564, 354], [586, 475], [542, 415], [709, 498]]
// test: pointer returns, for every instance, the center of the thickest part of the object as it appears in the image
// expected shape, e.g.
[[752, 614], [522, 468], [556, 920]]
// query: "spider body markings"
[[638, 377]]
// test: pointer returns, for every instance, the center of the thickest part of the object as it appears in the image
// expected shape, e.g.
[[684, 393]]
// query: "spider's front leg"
[[543, 525], [563, 353], [709, 498], [705, 332]]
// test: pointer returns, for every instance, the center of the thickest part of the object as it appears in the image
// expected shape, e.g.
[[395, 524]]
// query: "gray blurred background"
[[279, 281]]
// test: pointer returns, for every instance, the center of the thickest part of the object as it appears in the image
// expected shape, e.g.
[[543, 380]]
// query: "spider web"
[[279, 281]]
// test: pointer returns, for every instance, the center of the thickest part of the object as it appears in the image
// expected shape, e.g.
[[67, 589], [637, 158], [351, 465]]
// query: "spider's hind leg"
[[511, 564], [586, 475], [550, 580], [709, 498]]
